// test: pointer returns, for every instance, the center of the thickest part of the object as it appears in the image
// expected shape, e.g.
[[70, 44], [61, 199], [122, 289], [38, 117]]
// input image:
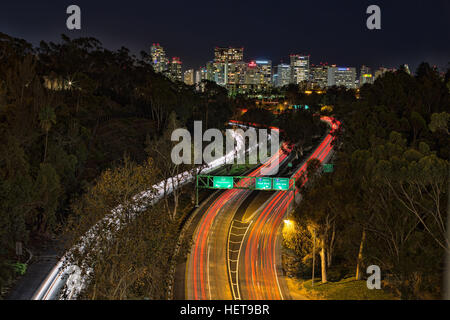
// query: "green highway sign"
[[263, 183], [328, 168], [223, 182], [281, 183]]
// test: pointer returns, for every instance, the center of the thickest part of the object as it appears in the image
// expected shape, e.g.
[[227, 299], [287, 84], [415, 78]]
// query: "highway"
[[230, 258], [259, 262], [207, 275], [235, 250]]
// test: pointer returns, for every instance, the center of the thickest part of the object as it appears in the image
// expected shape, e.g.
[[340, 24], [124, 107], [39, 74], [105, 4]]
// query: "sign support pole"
[[196, 193]]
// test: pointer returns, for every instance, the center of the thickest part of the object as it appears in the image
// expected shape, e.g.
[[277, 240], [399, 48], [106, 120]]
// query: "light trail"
[[259, 259], [197, 280]]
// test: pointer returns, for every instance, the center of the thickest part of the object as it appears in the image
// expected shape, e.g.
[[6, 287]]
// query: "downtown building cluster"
[[229, 69]]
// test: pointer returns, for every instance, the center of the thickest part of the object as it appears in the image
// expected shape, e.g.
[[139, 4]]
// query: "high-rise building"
[[252, 74], [204, 74], [223, 55], [220, 73], [257, 74], [265, 72], [175, 69], [365, 76], [189, 77], [299, 68], [282, 76], [226, 61], [198, 76], [236, 72], [159, 60], [319, 76], [342, 76]]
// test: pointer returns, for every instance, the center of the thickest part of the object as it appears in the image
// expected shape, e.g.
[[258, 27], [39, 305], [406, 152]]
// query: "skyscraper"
[[299, 68], [252, 76], [236, 72], [225, 60], [365, 76], [198, 76], [175, 69], [159, 60], [319, 76], [265, 72], [282, 77], [342, 76], [189, 77]]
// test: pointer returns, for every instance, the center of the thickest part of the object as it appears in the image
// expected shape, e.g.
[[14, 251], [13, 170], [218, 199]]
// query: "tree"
[[47, 192], [117, 206], [160, 149], [47, 118], [439, 122]]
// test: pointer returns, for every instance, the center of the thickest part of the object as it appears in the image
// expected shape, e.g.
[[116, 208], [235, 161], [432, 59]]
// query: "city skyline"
[[230, 69], [284, 60]]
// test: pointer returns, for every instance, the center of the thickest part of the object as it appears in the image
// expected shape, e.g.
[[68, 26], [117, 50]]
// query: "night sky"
[[332, 31]]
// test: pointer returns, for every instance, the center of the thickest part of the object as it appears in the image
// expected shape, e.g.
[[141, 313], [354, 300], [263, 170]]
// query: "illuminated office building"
[[365, 76], [220, 73], [252, 74], [319, 76], [189, 77], [175, 69], [227, 65], [282, 76], [265, 72], [198, 76], [236, 73], [342, 76], [159, 60], [201, 74], [299, 68]]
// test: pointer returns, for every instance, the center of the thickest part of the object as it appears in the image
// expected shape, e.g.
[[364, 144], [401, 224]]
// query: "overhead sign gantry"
[[244, 182]]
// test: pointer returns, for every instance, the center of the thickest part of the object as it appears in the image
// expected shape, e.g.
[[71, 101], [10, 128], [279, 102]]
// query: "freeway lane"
[[258, 263], [210, 269], [206, 268]]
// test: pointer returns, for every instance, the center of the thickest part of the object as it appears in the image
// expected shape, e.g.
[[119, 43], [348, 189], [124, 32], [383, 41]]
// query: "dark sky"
[[329, 30]]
